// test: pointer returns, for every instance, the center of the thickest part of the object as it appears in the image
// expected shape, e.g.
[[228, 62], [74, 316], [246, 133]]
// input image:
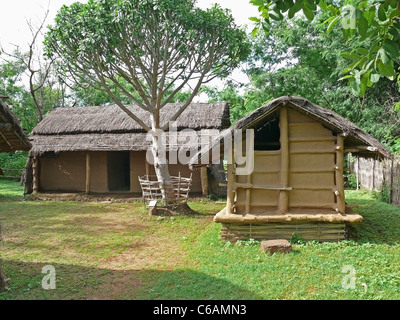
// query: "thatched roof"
[[12, 138], [109, 128], [355, 137]]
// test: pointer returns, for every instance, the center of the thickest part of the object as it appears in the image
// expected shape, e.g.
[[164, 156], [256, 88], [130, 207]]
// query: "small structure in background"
[[297, 185], [12, 137], [103, 150]]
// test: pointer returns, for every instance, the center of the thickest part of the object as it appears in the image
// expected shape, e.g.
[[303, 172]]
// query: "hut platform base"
[[321, 227]]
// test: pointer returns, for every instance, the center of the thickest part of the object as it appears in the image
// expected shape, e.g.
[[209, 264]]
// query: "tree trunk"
[[159, 151]]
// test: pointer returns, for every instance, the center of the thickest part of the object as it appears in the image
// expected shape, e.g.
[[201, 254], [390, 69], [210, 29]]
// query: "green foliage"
[[21, 101], [145, 51], [374, 23], [15, 160], [351, 181], [285, 62]]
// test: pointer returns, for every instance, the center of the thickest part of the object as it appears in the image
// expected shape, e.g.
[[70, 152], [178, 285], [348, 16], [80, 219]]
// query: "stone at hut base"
[[272, 246]]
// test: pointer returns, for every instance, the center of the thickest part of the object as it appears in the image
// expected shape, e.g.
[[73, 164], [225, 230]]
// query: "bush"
[[351, 181]]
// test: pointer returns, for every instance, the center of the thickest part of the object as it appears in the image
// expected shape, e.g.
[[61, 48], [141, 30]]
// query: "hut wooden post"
[[87, 187], [230, 191], [204, 181], [283, 202], [339, 192], [35, 175], [147, 167]]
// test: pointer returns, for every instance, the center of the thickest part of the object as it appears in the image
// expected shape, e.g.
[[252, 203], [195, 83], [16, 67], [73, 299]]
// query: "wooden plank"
[[239, 185], [5, 126], [312, 139], [313, 151], [264, 153]]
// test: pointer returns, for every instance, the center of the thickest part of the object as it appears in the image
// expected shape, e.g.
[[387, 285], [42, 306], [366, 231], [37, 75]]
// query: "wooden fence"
[[379, 175], [176, 191]]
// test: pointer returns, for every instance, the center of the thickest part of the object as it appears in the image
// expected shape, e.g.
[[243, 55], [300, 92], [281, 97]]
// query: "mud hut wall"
[[312, 163], [66, 172], [266, 173], [98, 172]]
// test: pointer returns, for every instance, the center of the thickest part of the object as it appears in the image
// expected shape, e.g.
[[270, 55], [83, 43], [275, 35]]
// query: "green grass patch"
[[115, 250]]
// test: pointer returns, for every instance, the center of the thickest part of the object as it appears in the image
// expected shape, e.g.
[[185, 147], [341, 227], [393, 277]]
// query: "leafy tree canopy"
[[374, 24]]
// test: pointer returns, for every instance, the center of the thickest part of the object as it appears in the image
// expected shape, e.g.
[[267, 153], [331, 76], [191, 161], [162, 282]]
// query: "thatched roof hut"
[[102, 149], [295, 178], [12, 138], [357, 140], [108, 128]]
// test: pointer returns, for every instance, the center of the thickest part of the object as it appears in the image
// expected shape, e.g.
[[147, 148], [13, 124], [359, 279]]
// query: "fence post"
[[391, 181]]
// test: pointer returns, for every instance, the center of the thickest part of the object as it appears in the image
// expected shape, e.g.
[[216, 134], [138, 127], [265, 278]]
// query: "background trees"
[[145, 52]]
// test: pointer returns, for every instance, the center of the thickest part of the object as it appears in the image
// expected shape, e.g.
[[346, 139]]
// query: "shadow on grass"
[[80, 283]]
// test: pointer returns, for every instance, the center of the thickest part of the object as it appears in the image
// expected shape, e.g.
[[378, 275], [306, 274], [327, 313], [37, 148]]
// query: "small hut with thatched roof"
[[297, 185], [102, 149], [12, 138]]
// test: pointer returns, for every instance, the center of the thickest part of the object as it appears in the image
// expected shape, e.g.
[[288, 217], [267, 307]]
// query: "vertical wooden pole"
[[204, 181], [283, 201], [87, 189], [358, 173], [391, 181], [249, 181], [35, 174], [147, 167], [341, 204], [229, 190]]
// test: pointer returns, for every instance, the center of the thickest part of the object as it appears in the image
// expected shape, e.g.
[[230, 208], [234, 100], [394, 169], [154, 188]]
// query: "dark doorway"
[[267, 136], [118, 171]]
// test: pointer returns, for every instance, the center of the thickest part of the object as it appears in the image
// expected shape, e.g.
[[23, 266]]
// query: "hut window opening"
[[267, 137], [118, 169]]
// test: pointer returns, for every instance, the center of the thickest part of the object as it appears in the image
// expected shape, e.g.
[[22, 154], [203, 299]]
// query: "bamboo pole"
[[341, 204], [283, 202], [35, 174], [87, 188], [204, 181]]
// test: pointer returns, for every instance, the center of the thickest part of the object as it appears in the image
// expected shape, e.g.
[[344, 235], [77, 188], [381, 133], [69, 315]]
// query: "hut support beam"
[[230, 189], [35, 175], [341, 204], [283, 202], [87, 187], [147, 167], [204, 181]]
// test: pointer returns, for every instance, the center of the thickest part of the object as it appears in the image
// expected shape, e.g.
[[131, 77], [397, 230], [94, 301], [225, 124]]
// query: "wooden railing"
[[12, 173], [175, 191]]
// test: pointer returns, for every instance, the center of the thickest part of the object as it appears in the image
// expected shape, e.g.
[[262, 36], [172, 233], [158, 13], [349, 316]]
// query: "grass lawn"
[[103, 250]]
